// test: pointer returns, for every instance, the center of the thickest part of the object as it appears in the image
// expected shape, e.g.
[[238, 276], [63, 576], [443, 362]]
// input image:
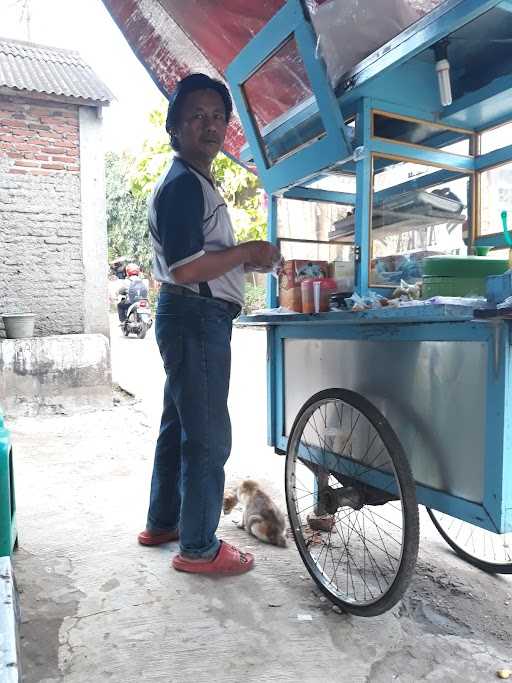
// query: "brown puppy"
[[261, 517]]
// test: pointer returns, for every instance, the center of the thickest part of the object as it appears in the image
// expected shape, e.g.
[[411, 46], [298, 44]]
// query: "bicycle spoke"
[[482, 546], [356, 552]]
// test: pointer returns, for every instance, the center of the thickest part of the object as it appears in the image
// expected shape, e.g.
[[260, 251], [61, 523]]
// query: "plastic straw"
[[508, 239], [316, 296]]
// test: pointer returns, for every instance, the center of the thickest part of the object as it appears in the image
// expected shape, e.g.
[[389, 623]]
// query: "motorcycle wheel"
[[142, 331], [126, 330]]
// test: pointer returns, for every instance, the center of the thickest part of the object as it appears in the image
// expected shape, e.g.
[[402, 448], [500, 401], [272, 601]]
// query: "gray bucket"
[[19, 325]]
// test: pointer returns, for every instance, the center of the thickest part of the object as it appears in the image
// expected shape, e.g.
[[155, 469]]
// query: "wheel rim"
[[484, 548], [359, 559]]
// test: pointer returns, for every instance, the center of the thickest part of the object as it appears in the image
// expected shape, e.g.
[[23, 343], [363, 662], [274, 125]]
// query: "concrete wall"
[[53, 257], [94, 222], [55, 374], [53, 235], [41, 266]]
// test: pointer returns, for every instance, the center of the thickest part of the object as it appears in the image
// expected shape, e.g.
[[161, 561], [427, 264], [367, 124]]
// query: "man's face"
[[202, 126]]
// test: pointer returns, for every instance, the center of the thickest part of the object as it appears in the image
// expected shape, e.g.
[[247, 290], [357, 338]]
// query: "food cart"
[[394, 115], [382, 410]]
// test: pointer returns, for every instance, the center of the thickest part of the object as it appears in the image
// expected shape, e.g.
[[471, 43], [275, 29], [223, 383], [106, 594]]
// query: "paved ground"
[[99, 608]]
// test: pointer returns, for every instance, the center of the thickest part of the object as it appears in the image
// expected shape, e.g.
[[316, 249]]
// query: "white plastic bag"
[[350, 30]]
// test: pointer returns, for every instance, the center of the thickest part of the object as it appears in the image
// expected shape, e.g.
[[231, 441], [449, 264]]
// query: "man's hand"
[[260, 256]]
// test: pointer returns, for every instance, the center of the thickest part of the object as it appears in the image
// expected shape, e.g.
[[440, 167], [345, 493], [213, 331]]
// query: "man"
[[134, 290], [118, 268], [202, 274]]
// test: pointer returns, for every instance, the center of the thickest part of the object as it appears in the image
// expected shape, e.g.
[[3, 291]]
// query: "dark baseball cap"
[[190, 84]]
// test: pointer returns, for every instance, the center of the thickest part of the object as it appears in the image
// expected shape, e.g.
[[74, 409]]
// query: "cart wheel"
[[484, 549], [351, 501]]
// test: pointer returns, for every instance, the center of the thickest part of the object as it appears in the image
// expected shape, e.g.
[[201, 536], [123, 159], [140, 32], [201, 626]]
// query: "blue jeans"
[[187, 487]]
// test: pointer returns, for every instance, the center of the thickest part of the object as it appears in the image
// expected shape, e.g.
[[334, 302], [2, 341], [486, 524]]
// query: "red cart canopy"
[[173, 38]]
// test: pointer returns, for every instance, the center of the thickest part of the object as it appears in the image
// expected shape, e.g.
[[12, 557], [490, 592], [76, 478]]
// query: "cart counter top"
[[408, 314]]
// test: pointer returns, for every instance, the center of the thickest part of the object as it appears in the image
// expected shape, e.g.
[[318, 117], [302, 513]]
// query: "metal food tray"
[[420, 200], [410, 210]]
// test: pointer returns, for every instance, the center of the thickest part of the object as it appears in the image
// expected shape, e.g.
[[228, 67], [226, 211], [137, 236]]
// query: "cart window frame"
[[471, 208], [479, 204], [292, 21], [485, 162], [464, 132]]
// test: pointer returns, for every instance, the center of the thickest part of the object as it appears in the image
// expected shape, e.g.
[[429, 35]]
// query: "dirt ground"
[[98, 607]]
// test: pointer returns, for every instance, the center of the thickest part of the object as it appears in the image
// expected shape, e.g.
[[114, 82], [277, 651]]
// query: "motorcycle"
[[138, 319]]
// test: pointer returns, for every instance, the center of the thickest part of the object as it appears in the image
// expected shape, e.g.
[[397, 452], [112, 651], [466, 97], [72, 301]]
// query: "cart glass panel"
[[423, 133], [285, 67], [495, 197], [330, 252], [311, 221], [304, 234], [305, 229], [496, 138], [335, 182], [417, 211]]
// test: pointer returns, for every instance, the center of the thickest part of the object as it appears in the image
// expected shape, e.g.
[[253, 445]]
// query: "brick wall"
[[41, 268]]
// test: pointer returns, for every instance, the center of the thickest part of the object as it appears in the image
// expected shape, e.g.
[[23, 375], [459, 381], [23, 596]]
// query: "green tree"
[[239, 187], [130, 180], [153, 158], [243, 194], [126, 213]]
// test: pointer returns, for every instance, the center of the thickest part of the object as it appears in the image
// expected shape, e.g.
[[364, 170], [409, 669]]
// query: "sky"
[[86, 26]]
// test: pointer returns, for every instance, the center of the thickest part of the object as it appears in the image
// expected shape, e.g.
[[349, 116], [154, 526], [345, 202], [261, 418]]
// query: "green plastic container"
[[452, 286], [8, 533], [459, 275]]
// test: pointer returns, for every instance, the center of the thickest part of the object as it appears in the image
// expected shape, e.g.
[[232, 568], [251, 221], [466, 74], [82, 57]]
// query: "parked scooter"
[[138, 319]]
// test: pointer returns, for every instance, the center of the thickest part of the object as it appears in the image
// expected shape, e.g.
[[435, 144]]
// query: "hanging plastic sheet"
[[350, 30]]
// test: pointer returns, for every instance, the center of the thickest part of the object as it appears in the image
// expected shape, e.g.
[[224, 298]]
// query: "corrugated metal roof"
[[50, 70]]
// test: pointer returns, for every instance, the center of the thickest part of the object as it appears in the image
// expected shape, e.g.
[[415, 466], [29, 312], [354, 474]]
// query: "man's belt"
[[232, 308]]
